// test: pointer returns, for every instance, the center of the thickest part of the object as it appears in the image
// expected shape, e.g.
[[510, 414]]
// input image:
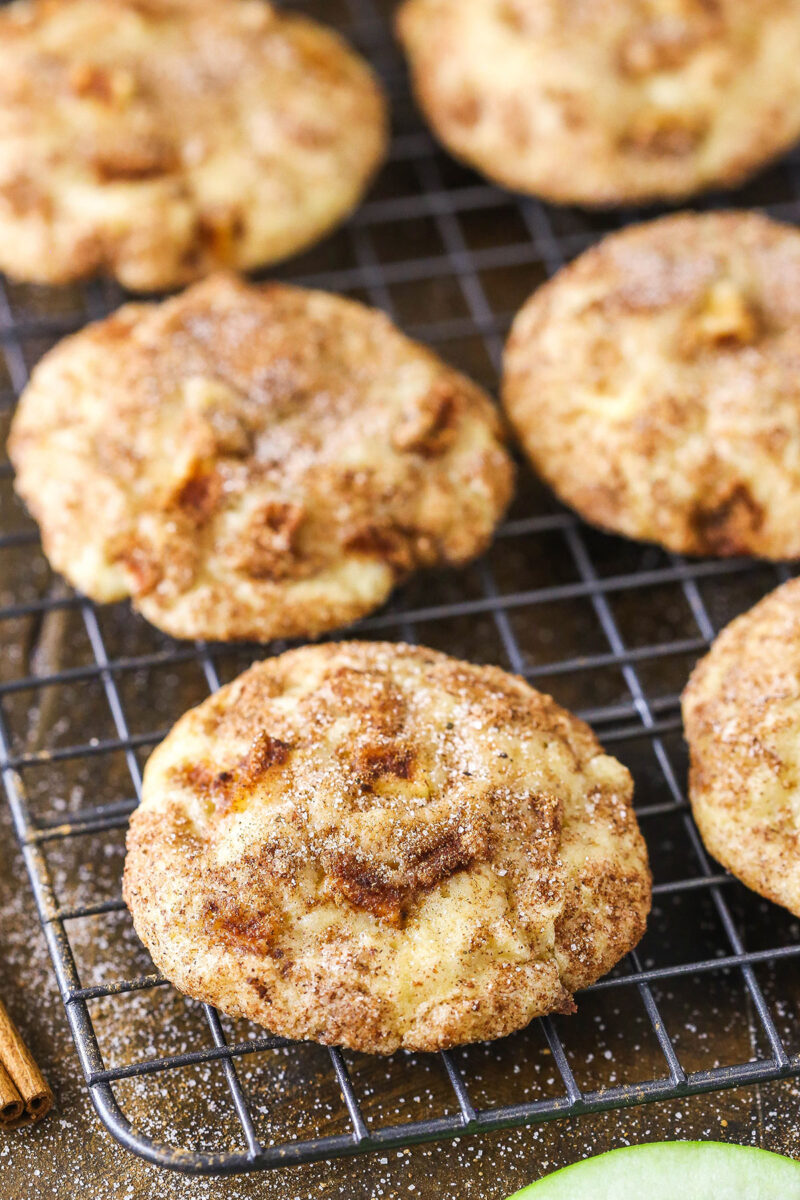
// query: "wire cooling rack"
[[610, 627]]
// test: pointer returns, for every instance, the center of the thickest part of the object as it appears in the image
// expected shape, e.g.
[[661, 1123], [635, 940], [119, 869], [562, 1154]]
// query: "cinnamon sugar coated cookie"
[[158, 139], [376, 845], [254, 462], [654, 384], [741, 711], [601, 102]]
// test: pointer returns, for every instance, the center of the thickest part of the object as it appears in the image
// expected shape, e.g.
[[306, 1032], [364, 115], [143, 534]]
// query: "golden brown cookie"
[[741, 711], [654, 383], [608, 101], [159, 139], [376, 845], [254, 462]]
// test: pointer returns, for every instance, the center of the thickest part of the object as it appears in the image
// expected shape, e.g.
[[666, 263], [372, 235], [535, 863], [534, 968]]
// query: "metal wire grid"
[[436, 198]]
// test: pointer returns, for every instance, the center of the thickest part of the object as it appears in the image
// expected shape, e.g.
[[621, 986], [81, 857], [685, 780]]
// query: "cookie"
[[159, 139], [654, 384], [741, 711], [378, 846], [608, 102], [254, 462]]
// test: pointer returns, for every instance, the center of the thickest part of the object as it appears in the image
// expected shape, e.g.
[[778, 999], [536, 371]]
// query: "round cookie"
[[254, 462], [158, 139], [741, 711], [654, 384], [608, 101], [376, 845]]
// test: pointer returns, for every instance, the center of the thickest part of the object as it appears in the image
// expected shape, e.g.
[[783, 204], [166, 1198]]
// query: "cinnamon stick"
[[19, 1066], [11, 1103]]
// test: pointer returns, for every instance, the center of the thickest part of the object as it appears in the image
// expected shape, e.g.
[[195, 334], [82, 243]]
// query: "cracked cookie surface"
[[603, 102], [654, 384], [376, 845], [159, 139], [741, 712], [254, 461]]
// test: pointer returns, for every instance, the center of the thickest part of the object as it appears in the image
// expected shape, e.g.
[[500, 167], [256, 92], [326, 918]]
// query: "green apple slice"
[[673, 1171]]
